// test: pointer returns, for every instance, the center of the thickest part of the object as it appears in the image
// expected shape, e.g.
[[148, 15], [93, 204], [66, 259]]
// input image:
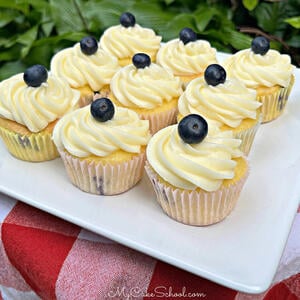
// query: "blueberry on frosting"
[[35, 75], [187, 35], [127, 19], [192, 129], [260, 45], [214, 74], [141, 60], [102, 109], [88, 45]]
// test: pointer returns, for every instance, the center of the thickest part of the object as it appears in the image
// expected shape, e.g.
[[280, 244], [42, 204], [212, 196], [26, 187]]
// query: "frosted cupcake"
[[197, 172], [128, 38], [102, 147], [86, 68], [30, 105], [148, 89], [224, 102], [267, 71], [187, 56]]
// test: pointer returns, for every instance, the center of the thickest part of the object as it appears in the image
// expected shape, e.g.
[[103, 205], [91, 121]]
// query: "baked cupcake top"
[[82, 67], [186, 55], [83, 135], [186, 165], [143, 84], [218, 99], [260, 66], [40, 101], [128, 38]]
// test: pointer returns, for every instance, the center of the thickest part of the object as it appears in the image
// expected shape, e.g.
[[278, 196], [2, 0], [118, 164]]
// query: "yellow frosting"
[[36, 107], [186, 59], [257, 70], [82, 135], [148, 88], [80, 70], [189, 166], [228, 103], [124, 42]]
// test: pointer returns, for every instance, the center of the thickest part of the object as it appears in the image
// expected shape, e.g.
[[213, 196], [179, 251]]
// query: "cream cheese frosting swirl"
[[36, 107], [147, 87], [80, 70], [124, 42], [186, 59], [189, 166], [227, 103], [257, 70], [82, 135]]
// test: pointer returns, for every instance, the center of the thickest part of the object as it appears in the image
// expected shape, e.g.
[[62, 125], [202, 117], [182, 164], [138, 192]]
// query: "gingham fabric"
[[44, 257]]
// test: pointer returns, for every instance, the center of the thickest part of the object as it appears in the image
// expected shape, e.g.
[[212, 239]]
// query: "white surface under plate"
[[242, 252]]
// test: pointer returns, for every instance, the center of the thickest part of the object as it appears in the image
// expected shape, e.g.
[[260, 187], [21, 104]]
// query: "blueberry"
[[141, 60], [88, 45], [102, 109], [260, 45], [187, 35], [35, 75], [127, 19], [192, 129], [215, 74]]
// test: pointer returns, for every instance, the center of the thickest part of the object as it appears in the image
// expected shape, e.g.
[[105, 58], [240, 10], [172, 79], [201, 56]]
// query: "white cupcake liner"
[[103, 179], [198, 208]]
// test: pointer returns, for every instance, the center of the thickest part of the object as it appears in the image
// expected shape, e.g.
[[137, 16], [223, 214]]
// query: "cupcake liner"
[[198, 208], [34, 147], [273, 105], [103, 179]]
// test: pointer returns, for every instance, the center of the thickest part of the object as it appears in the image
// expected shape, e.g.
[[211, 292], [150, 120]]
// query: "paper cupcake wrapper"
[[108, 179], [198, 208], [35, 147], [273, 105], [160, 120]]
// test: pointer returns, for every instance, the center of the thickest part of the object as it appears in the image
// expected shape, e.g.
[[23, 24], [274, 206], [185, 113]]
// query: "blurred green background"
[[32, 31]]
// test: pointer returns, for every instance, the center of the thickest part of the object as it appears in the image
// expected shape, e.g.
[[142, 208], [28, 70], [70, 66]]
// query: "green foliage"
[[33, 31]]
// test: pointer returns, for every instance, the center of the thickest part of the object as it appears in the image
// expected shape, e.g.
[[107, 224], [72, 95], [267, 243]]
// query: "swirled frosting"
[[186, 59], [257, 70], [188, 166], [36, 107], [227, 103], [80, 70], [82, 135], [124, 42], [148, 88]]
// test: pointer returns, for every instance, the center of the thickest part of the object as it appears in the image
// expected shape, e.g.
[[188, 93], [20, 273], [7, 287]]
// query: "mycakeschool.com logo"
[[156, 293]]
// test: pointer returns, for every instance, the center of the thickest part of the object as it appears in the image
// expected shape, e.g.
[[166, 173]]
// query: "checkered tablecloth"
[[44, 257]]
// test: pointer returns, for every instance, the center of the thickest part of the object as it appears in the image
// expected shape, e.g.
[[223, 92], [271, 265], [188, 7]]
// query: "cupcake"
[[102, 147], [128, 38], [196, 171], [30, 105], [187, 56], [224, 102], [86, 68], [267, 71], [148, 89]]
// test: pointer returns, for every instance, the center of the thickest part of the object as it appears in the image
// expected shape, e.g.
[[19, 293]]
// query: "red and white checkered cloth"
[[44, 257]]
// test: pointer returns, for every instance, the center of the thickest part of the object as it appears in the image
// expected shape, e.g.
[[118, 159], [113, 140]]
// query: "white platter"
[[242, 252]]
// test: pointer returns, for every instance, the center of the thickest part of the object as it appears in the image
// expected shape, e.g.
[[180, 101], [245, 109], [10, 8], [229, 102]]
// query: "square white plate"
[[242, 252]]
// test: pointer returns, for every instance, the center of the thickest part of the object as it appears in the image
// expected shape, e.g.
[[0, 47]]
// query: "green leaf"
[[22, 6], [7, 15], [250, 4], [203, 17], [238, 40], [294, 41], [294, 21], [11, 68]]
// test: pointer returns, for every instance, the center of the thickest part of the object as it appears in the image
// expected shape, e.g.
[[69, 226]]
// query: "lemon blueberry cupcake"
[[148, 89], [197, 171], [224, 102], [102, 147], [267, 71], [86, 67], [186, 56], [30, 105], [128, 38]]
